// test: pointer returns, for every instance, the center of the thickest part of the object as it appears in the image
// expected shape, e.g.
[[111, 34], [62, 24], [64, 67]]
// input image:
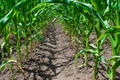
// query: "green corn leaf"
[[2, 66], [106, 24], [117, 39], [114, 58], [113, 68], [40, 6], [32, 37], [90, 51], [3, 45], [109, 71], [116, 65], [102, 59], [4, 20], [109, 33], [11, 14], [108, 7], [108, 2], [101, 40], [106, 10], [41, 39], [78, 55], [5, 62], [12, 60], [93, 46], [94, 52]]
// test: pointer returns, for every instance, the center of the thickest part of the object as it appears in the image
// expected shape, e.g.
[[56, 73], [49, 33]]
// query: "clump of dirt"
[[53, 60]]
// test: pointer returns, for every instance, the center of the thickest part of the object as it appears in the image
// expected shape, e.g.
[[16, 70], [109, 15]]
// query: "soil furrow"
[[48, 61]]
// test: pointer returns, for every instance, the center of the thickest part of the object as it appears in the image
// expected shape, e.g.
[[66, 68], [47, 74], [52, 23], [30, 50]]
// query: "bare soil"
[[54, 60]]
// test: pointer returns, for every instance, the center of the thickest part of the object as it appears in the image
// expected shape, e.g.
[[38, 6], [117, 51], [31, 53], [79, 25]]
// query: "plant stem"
[[96, 67], [2, 54], [86, 60], [11, 71], [19, 51], [117, 13], [27, 52], [112, 74], [31, 45], [86, 55], [20, 55]]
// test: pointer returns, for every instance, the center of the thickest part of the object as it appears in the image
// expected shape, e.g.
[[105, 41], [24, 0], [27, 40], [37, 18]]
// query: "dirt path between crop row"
[[54, 61], [50, 61]]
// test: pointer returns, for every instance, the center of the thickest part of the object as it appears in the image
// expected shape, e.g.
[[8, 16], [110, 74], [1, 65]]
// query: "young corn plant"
[[11, 61], [22, 27], [113, 33]]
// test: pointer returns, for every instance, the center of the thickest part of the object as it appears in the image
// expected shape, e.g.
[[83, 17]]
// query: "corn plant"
[[24, 26], [11, 61], [114, 34]]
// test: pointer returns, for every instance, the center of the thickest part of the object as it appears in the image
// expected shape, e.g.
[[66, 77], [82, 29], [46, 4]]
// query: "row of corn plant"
[[22, 21], [103, 15], [75, 25]]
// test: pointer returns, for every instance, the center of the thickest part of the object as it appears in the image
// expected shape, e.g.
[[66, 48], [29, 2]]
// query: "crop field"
[[59, 39]]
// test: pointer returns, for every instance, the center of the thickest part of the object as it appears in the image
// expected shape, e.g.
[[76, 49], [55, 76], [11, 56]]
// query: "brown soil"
[[54, 61]]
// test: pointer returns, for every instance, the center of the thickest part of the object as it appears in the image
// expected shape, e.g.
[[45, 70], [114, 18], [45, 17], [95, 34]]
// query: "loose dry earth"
[[54, 61]]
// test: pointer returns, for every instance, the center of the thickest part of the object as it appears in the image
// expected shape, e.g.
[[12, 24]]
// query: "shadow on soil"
[[43, 65]]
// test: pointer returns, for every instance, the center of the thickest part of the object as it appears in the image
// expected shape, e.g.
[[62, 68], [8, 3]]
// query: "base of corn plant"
[[2, 54], [27, 54], [112, 76], [11, 66], [96, 68], [86, 60], [20, 55], [21, 69]]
